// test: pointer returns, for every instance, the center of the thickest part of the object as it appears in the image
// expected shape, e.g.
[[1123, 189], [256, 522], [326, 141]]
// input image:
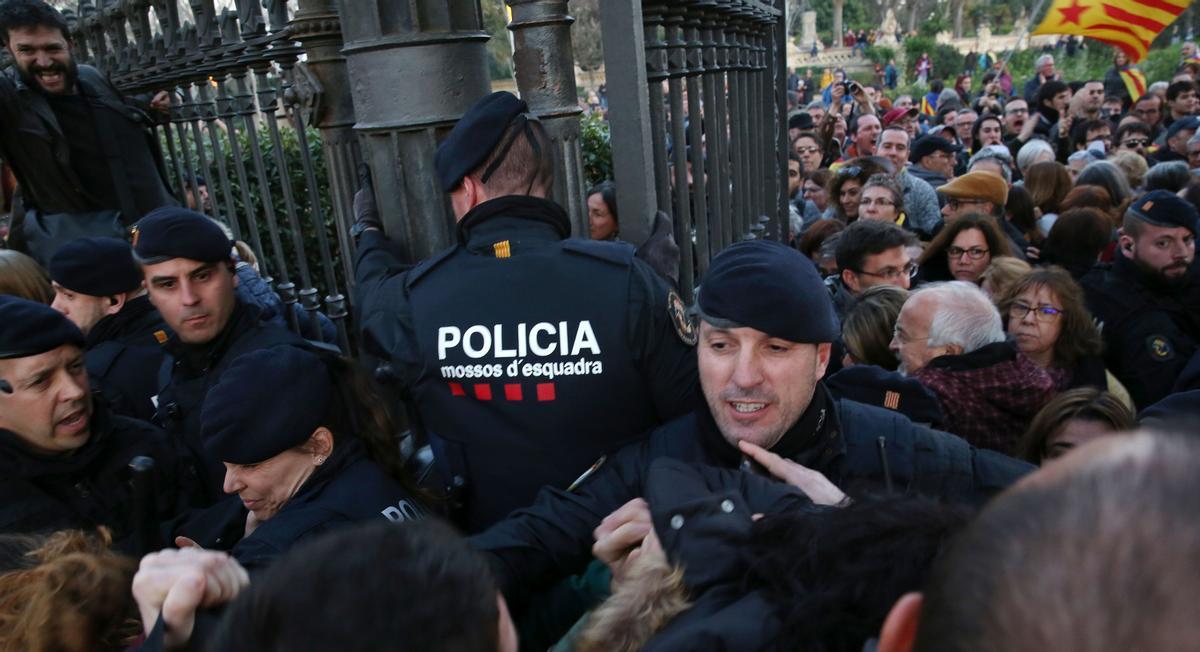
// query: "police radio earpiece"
[[5, 387]]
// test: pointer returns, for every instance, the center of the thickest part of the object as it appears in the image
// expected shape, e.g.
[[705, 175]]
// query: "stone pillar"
[[808, 32], [544, 64], [322, 88], [415, 67]]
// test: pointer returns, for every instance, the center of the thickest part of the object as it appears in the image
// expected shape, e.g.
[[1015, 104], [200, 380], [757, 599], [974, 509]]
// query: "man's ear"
[[900, 627], [1125, 243], [115, 304], [851, 280], [824, 353]]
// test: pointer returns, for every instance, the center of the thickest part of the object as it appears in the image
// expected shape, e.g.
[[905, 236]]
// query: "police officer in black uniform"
[[301, 457], [765, 333], [64, 458], [98, 286], [1148, 300], [189, 273], [529, 354]]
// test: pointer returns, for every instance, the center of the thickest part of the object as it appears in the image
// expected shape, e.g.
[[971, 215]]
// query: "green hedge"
[[300, 192]]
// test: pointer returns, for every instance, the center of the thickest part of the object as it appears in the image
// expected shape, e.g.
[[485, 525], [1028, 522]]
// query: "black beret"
[[1190, 123], [800, 120], [928, 144], [1165, 209], [265, 403], [28, 328], [772, 288], [877, 386], [475, 136], [176, 232], [99, 267]]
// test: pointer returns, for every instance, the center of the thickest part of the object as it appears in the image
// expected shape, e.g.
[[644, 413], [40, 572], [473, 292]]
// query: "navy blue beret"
[[29, 328], [1189, 123], [99, 267], [877, 386], [266, 402], [1165, 209], [475, 136], [772, 288], [176, 232]]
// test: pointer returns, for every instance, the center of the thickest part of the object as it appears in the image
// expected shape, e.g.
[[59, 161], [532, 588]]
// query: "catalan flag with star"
[[1130, 25]]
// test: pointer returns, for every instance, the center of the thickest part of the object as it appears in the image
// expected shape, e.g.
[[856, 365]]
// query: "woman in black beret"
[[305, 450]]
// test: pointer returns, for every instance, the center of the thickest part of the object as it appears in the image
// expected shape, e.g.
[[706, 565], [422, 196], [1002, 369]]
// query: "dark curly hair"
[[833, 575]]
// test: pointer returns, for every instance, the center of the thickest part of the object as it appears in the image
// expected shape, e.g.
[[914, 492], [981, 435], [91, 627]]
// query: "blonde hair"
[[1002, 273], [74, 596], [1133, 165], [21, 276]]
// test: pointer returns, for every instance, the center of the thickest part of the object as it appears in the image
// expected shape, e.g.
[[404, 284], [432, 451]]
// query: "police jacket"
[[32, 141], [527, 354], [189, 371], [553, 537], [124, 353], [89, 486], [1150, 329], [349, 487]]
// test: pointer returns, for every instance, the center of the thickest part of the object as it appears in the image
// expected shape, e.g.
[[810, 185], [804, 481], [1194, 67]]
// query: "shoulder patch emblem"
[[160, 336], [1160, 348], [684, 327]]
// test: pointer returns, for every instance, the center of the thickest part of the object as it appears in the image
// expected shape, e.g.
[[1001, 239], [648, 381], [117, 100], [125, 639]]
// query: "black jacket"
[[713, 509], [1150, 330], [89, 486], [553, 538], [189, 371], [124, 354], [32, 141], [348, 488], [506, 415]]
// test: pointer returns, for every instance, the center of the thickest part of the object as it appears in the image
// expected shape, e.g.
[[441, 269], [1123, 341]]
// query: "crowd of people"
[[836, 446]]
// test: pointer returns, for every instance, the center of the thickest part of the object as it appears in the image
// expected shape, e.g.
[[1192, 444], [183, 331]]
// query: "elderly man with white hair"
[[1034, 151], [949, 336]]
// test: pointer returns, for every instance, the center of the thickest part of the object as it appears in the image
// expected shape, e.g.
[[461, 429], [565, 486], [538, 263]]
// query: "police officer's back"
[[98, 286], [527, 353], [189, 274], [1148, 300]]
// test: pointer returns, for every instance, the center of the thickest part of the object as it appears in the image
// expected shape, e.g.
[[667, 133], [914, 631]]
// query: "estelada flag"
[[1130, 25], [1135, 82]]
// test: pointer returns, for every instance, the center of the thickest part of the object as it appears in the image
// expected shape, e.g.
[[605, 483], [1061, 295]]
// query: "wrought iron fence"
[[700, 101], [692, 84], [238, 99]]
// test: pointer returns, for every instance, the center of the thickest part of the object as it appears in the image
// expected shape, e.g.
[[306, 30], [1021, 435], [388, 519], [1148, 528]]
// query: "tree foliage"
[[596, 143]]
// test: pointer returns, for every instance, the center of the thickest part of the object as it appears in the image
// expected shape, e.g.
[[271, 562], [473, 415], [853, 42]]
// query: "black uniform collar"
[[114, 326], [199, 358], [479, 229], [814, 440], [18, 461]]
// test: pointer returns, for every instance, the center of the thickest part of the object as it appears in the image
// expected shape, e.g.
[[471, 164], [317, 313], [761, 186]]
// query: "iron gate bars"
[[697, 99]]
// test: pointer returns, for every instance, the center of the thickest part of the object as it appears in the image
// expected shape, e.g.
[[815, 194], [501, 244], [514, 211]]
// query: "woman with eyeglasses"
[[846, 186], [963, 250], [1044, 313], [882, 199]]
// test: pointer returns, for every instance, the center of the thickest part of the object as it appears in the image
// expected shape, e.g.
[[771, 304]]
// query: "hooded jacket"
[[990, 395]]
